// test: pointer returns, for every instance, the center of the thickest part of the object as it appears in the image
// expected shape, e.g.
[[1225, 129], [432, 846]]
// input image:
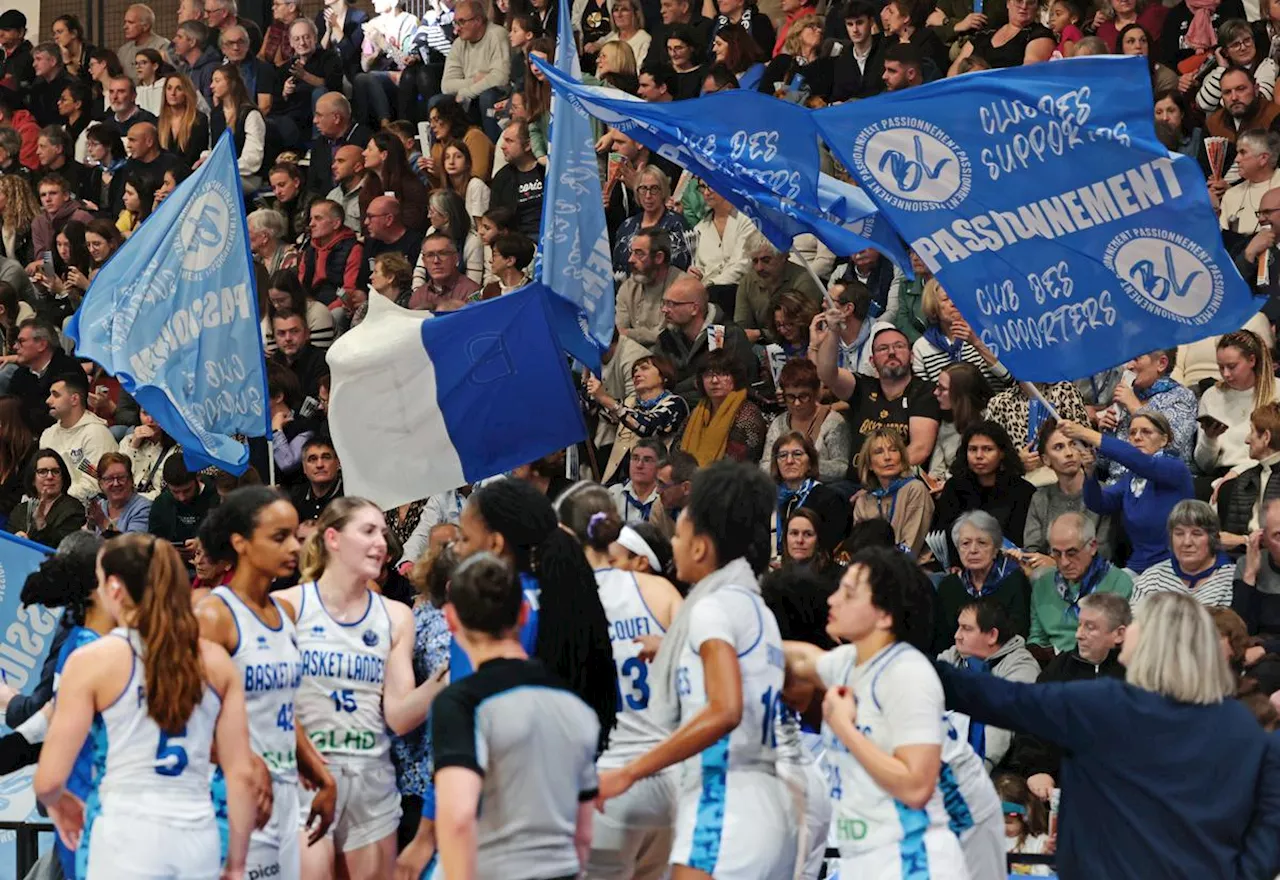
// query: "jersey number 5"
[[171, 758]]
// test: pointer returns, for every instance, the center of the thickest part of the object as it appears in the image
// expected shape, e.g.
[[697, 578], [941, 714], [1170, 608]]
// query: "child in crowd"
[[1064, 18], [1026, 824]]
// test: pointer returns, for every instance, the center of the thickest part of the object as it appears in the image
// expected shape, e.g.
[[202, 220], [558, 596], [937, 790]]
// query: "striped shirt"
[[928, 361], [1214, 590]]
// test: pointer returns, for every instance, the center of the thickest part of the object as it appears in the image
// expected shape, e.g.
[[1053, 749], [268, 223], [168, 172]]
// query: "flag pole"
[[271, 461], [827, 301]]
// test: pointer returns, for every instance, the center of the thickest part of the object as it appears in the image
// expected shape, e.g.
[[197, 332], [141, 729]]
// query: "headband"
[[1012, 809], [631, 539]]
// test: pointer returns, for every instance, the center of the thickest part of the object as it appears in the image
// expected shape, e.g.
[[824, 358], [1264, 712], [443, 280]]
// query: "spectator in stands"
[[122, 102], [724, 423], [139, 26], [388, 39], [685, 339], [121, 508], [1242, 110], [1011, 408], [478, 64], [1070, 462], [1241, 501], [675, 14], [178, 511], [191, 10], [638, 499], [15, 117], [233, 109], [858, 71], [197, 54], [103, 65], [896, 398], [639, 304], [948, 338], [904, 22], [1256, 155], [1257, 581], [1153, 390], [902, 67], [295, 351], [56, 153], [1247, 383], [459, 176], [68, 34], [259, 78], [18, 212], [444, 285], [392, 277], [869, 268], [449, 122], [987, 476], [75, 106], [511, 261], [57, 206], [720, 258], [649, 411], [985, 642], [148, 66], [734, 48], [385, 232], [349, 179], [341, 28], [323, 480], [11, 149], [1157, 479], [331, 260], [1079, 569], [686, 53], [78, 435], [72, 265], [291, 198], [1149, 15], [1197, 567], [891, 490], [826, 429], [771, 273], [266, 233], [986, 571], [333, 122], [138, 198], [447, 215], [385, 157], [49, 513], [148, 447], [50, 79], [793, 465], [852, 302], [308, 69], [1135, 40], [16, 67], [747, 16], [1023, 40], [146, 158], [519, 184], [222, 15], [628, 26], [653, 191]]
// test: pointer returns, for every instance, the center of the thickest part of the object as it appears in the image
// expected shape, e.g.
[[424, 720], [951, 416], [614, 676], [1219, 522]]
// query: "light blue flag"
[[423, 404], [576, 261], [28, 633], [1064, 231], [174, 315]]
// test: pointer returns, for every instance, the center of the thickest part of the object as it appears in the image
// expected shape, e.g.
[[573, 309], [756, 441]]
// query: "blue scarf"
[[951, 348], [1001, 569], [890, 492], [650, 404], [785, 497], [1089, 581], [977, 730], [1193, 580], [630, 501], [1159, 386]]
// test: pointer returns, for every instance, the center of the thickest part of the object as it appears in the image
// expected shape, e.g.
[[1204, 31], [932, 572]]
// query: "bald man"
[[686, 308], [385, 232], [142, 143], [332, 119], [1262, 247], [348, 179]]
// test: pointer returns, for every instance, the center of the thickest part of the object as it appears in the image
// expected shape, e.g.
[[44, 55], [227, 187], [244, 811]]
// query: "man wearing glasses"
[[1256, 155], [690, 336], [1257, 262], [478, 65], [220, 15], [259, 76], [443, 286]]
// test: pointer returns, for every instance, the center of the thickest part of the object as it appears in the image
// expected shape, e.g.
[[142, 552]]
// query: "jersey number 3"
[[635, 672], [171, 757]]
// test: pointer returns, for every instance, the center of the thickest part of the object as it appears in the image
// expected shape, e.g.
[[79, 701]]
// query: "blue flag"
[[174, 315], [28, 633], [576, 261], [1064, 231]]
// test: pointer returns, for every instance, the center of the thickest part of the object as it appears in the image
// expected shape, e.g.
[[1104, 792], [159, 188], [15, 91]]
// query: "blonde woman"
[[616, 57], [1247, 381], [1215, 819], [628, 27], [892, 493], [183, 129], [18, 208]]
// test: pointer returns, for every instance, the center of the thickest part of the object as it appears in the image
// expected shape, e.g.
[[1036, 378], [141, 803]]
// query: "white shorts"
[[632, 837], [141, 849], [935, 855], [741, 829], [984, 851], [273, 849], [368, 803], [811, 799]]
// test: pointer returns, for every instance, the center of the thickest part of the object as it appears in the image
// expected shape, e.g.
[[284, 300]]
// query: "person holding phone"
[[1247, 383]]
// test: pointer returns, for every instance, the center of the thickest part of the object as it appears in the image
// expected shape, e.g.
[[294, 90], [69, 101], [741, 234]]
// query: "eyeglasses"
[[458, 21], [1071, 553], [675, 303], [768, 258], [1263, 213], [437, 256], [48, 472], [1241, 44], [885, 349], [651, 189], [235, 42], [118, 480], [790, 455], [802, 397]]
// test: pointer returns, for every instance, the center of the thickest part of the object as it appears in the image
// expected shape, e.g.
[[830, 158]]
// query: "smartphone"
[[1209, 422], [46, 265]]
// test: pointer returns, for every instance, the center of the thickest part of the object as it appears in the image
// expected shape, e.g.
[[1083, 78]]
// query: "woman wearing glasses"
[[49, 514], [825, 428], [121, 508], [652, 189], [795, 472]]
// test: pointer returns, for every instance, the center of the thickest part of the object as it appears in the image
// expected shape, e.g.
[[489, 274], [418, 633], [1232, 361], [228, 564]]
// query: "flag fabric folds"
[[1066, 234], [173, 314], [576, 260], [421, 405]]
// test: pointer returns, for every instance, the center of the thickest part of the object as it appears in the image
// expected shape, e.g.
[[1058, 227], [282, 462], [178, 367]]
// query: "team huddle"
[[242, 732]]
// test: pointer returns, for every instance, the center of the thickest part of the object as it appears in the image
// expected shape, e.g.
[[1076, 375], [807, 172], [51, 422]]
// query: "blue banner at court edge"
[[174, 315], [1065, 233], [27, 634], [576, 261]]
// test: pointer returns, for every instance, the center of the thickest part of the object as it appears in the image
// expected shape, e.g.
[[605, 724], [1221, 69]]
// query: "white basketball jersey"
[[736, 615], [145, 772], [899, 700], [636, 731], [271, 667], [339, 701], [967, 790]]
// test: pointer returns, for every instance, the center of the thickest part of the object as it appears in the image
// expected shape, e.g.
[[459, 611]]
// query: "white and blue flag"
[[423, 404], [576, 261], [173, 314]]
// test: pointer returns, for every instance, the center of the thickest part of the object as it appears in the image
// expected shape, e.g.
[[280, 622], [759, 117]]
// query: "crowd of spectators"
[[402, 153]]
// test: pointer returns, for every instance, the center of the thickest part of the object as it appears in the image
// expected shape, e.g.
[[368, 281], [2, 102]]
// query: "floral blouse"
[[411, 753]]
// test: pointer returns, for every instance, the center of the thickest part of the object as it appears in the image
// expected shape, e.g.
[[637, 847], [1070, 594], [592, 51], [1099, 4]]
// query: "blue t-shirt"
[[460, 663], [80, 783]]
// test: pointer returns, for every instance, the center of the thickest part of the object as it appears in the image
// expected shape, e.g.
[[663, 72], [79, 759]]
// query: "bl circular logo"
[[1167, 274], [205, 234], [913, 165]]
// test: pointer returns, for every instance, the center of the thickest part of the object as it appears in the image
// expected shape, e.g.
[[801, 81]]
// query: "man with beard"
[[896, 399], [639, 302], [770, 273]]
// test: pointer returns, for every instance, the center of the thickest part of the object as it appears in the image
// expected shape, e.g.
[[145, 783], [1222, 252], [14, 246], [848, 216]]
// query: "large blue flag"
[[1063, 230], [576, 261], [28, 633], [424, 404], [174, 315]]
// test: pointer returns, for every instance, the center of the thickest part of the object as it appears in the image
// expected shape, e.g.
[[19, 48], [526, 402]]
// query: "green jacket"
[[997, 14], [910, 316], [1051, 623]]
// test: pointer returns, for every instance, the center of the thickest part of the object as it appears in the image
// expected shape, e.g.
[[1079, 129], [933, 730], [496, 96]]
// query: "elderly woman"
[[628, 26], [121, 508], [48, 514], [892, 492], [653, 189], [1070, 462], [267, 229], [948, 339], [148, 447], [1152, 390], [825, 428], [795, 470], [1217, 814], [1024, 40], [1157, 479], [724, 423], [986, 475], [985, 571], [1198, 567], [651, 410]]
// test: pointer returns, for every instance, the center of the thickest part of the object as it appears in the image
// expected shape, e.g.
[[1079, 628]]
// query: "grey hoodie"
[[1011, 661]]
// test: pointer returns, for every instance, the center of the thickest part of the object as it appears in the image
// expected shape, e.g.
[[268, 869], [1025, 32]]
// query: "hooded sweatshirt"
[[85, 441], [25, 124], [45, 229], [1012, 661]]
